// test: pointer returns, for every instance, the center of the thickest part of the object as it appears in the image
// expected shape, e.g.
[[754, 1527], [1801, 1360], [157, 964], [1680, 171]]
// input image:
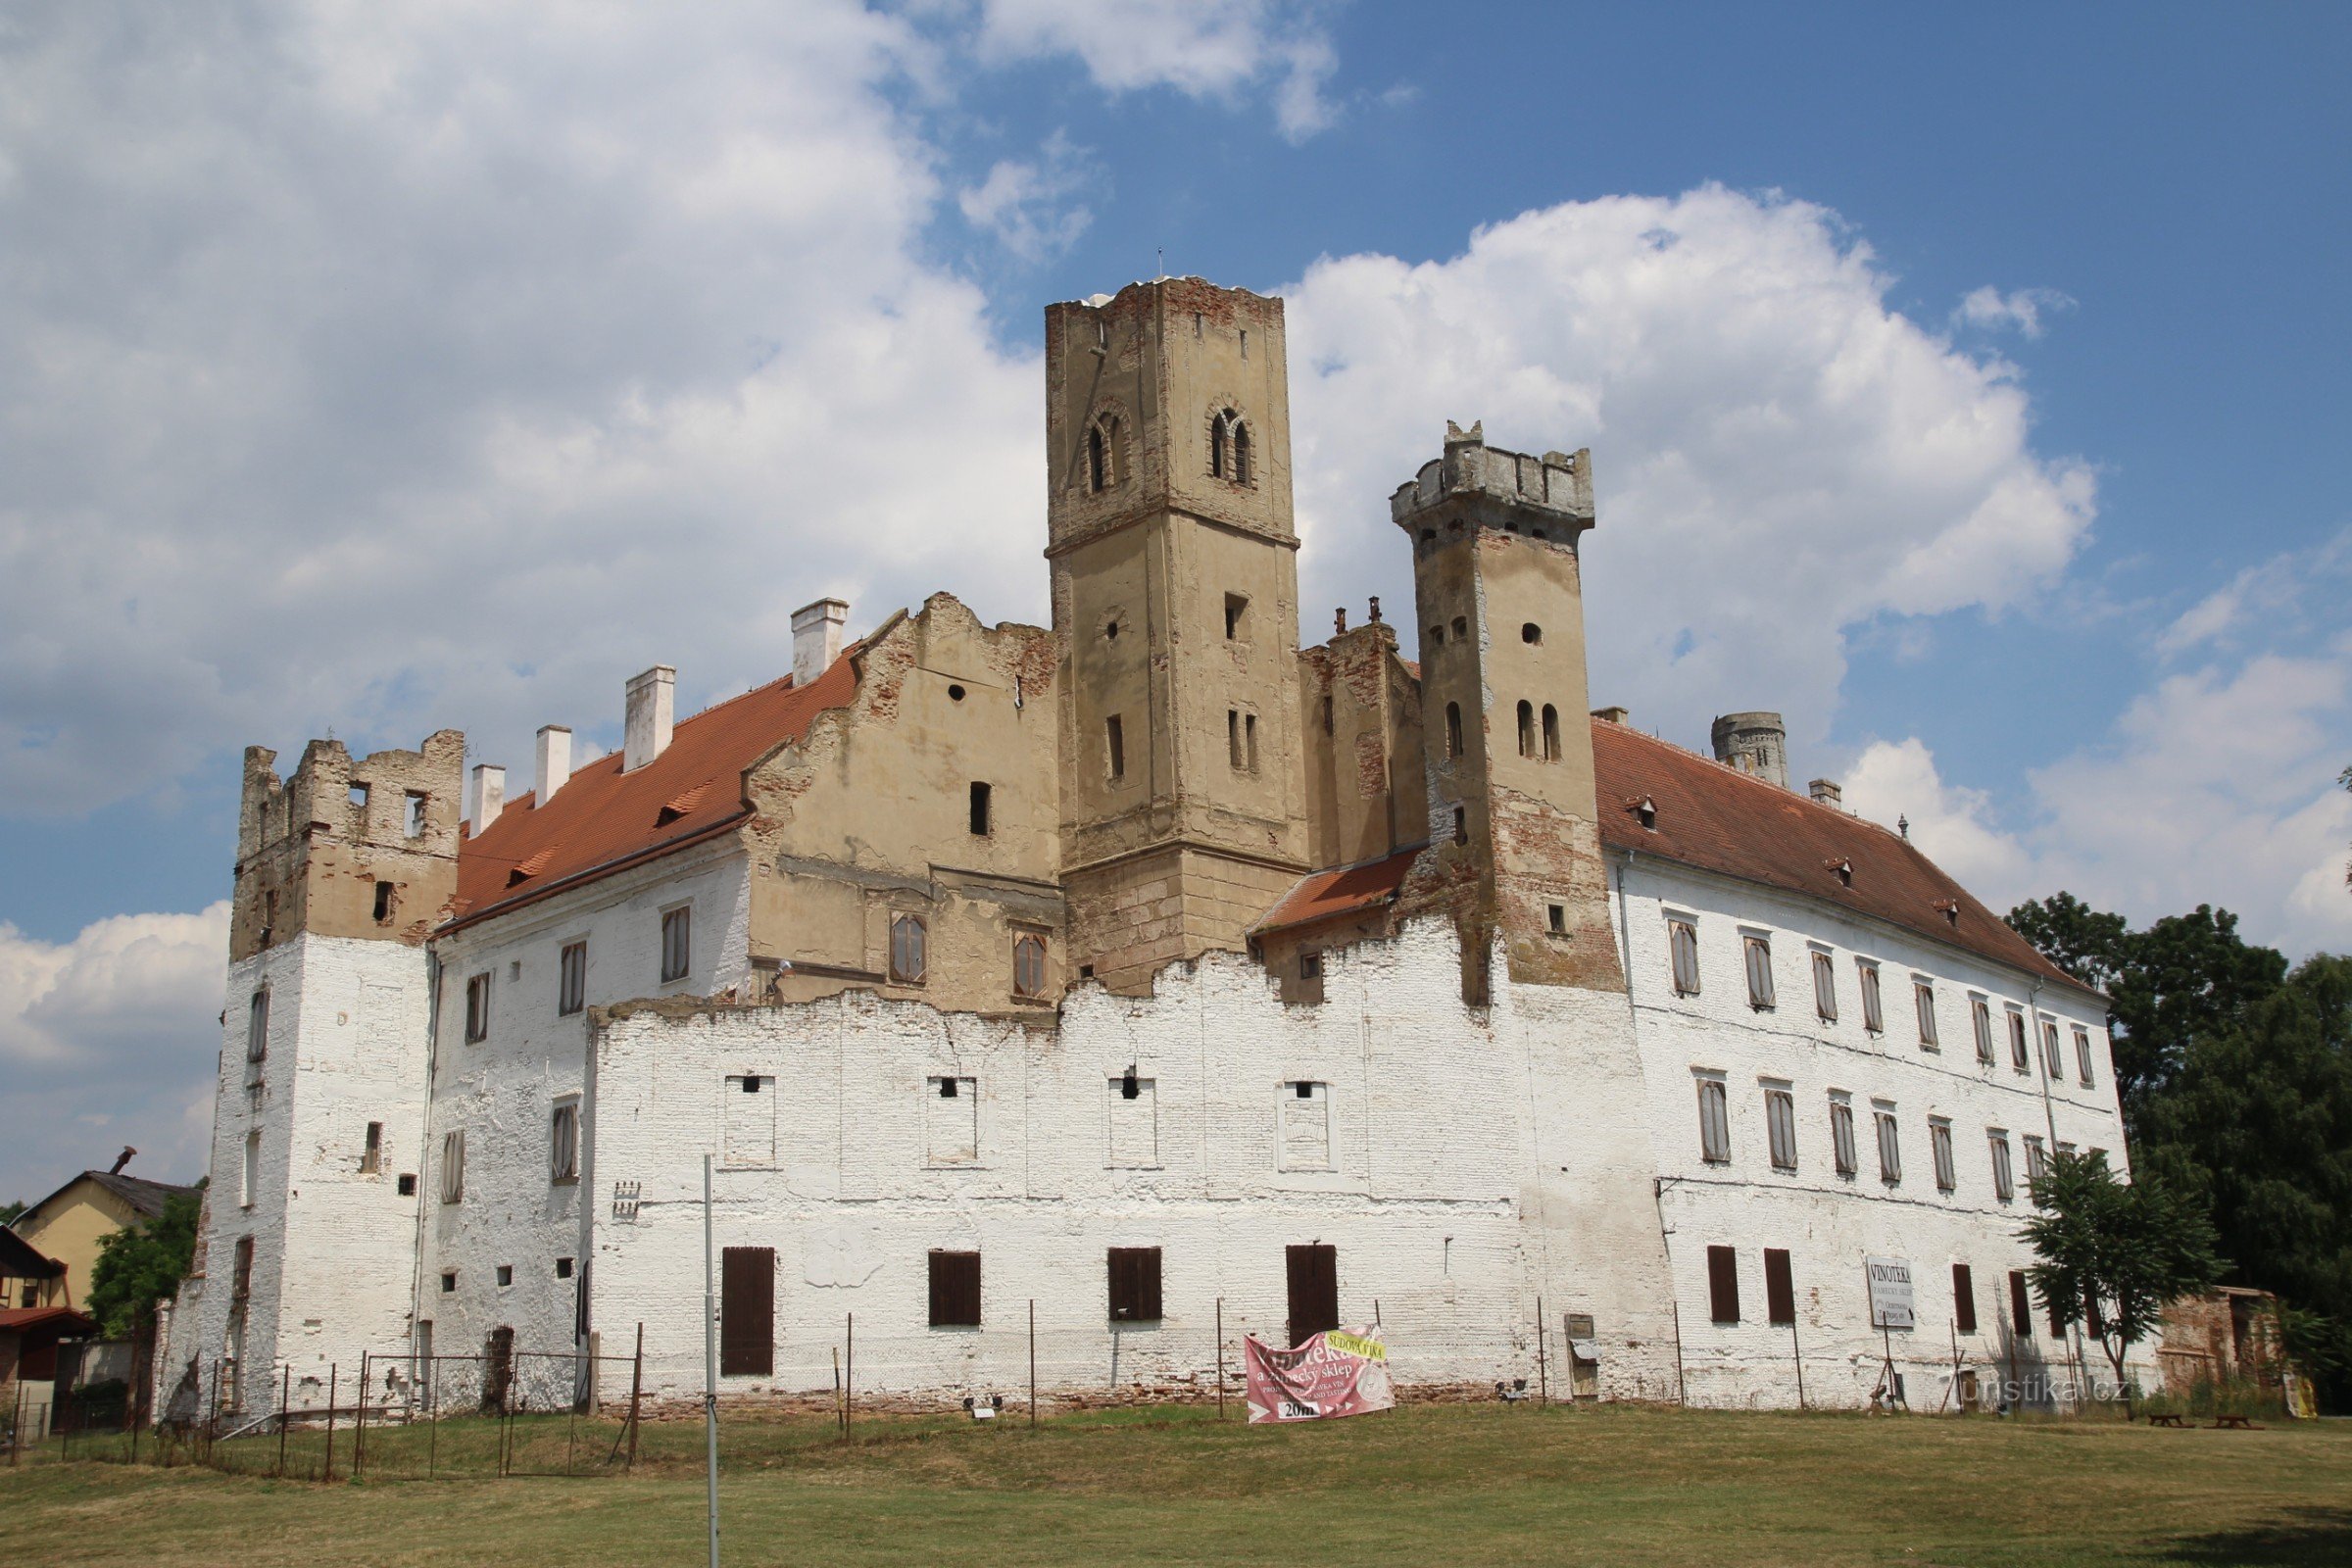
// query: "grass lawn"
[[1435, 1484]]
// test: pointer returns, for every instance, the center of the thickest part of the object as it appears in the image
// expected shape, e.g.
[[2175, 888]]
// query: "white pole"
[[710, 1365]]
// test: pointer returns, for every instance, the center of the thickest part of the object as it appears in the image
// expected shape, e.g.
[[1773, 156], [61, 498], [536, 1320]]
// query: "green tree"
[[2113, 1251], [11, 1211], [140, 1266], [2088, 944]]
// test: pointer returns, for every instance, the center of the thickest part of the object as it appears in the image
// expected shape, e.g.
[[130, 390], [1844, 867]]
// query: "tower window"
[[980, 793], [1216, 445], [1241, 448], [1115, 743], [1228, 447], [907, 944], [411, 816], [1462, 628], [1095, 467], [383, 902], [1437, 635], [1454, 730], [359, 797], [1237, 610], [1527, 729], [1104, 456], [1327, 716], [1552, 734], [1240, 739], [1245, 342], [1461, 827], [1531, 633]]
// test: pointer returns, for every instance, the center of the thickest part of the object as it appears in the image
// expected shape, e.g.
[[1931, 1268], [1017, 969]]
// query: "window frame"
[[947, 1287], [2083, 1055], [1028, 952], [1723, 1284], [1825, 986], [1874, 1003], [1133, 1280], [1714, 1122], [1979, 1016], [1890, 1134], [1939, 1154], [563, 1141], [1922, 1002], [909, 939], [2004, 1165], [1845, 1154], [677, 943], [1780, 1125], [1682, 946], [571, 978], [477, 1007], [1756, 954]]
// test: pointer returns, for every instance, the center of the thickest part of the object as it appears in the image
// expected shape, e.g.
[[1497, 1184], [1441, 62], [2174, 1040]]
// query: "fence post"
[[16, 1428], [285, 1410], [1542, 1372], [636, 1382], [1220, 1358], [432, 1414], [359, 1437], [330, 1421], [848, 1379]]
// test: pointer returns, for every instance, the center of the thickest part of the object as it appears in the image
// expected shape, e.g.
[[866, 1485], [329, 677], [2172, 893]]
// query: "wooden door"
[[747, 1311], [1314, 1279]]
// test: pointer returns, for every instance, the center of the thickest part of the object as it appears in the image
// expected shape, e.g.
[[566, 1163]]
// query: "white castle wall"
[[1830, 1223]]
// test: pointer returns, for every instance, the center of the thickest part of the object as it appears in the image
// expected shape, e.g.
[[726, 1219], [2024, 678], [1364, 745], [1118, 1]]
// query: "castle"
[[1148, 977]]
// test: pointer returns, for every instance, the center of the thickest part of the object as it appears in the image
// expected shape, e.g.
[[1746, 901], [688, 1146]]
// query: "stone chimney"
[[489, 795], [817, 638], [647, 704], [1754, 743], [1827, 793], [555, 762], [1615, 715]]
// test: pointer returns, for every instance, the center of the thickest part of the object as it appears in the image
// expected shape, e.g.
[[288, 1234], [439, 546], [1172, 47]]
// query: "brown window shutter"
[[1964, 1300], [2021, 1306], [747, 1311], [954, 1290], [1723, 1283], [1134, 1284], [1780, 1287], [1314, 1289]]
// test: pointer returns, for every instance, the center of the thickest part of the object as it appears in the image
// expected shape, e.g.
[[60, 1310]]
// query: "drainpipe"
[[425, 1142]]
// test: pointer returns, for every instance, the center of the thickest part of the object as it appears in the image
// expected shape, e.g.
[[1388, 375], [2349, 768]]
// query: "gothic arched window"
[[1217, 429], [1240, 453], [1527, 729]]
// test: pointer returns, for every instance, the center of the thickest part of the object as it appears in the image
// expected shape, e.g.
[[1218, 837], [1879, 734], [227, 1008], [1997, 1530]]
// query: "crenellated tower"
[[1175, 595]]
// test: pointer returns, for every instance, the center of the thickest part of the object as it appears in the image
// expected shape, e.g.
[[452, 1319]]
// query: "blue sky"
[[1967, 383]]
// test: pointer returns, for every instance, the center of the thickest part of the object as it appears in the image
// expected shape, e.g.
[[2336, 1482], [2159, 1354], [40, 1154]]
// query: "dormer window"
[[1646, 812], [1845, 870], [1951, 911]]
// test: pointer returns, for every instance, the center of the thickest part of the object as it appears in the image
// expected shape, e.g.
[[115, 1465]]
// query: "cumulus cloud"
[[110, 1039], [1202, 48], [1781, 456], [1897, 783], [2021, 311], [1027, 203]]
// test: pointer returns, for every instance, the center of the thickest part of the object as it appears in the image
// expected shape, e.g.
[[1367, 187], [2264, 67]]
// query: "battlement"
[[1487, 486]]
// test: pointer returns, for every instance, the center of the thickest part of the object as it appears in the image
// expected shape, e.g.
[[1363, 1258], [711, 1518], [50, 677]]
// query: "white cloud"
[[1988, 309], [2268, 599], [1897, 782], [1780, 456], [108, 1039], [1027, 203], [1202, 48]]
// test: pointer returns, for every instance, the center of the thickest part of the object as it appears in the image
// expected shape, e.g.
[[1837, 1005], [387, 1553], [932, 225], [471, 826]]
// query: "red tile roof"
[[603, 819], [1345, 890], [1723, 820], [64, 1320]]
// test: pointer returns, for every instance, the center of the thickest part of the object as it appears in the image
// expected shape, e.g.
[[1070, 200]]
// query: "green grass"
[[1440, 1484]]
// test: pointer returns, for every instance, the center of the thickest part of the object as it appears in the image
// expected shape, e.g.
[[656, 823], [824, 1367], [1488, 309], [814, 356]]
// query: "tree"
[[12, 1211], [139, 1266], [2088, 944], [2113, 1251]]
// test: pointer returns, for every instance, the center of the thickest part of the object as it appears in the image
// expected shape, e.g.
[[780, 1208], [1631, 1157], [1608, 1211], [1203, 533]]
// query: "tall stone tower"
[[1513, 821], [1175, 595]]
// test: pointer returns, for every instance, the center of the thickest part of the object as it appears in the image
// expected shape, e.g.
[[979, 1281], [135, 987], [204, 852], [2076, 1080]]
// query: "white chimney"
[[817, 638], [555, 762], [489, 795], [646, 726], [1827, 793]]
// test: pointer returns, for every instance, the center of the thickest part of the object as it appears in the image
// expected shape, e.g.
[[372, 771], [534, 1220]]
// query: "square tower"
[[1175, 595]]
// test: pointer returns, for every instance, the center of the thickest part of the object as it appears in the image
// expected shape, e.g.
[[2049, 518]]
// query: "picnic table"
[[2234, 1423], [2164, 1421]]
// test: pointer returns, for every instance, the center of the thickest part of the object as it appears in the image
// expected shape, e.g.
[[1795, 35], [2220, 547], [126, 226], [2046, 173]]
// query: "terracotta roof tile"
[[1344, 890], [602, 818], [1720, 819]]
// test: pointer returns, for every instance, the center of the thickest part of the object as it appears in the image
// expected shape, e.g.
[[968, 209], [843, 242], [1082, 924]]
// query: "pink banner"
[[1334, 1374]]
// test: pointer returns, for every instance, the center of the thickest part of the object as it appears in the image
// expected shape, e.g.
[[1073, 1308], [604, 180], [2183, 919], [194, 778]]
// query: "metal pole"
[[636, 1382], [839, 1426], [359, 1439], [1799, 1351], [286, 1404], [1681, 1392], [849, 1378], [1033, 1363], [1220, 1358], [432, 1416], [330, 1420], [1543, 1373], [710, 1368], [16, 1431]]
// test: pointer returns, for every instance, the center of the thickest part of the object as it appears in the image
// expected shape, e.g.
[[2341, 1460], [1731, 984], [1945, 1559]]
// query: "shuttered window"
[[747, 1311], [1758, 951], [1874, 1015], [1981, 1015], [452, 1165], [1964, 1300], [1714, 1123], [1780, 1287], [563, 1141], [571, 985], [1922, 1001], [1682, 939], [1314, 1278], [677, 943], [1780, 1124], [1134, 1284], [1825, 988], [2038, 1161], [1842, 1136], [1723, 1284], [2083, 1055], [1940, 1146], [2017, 1042], [2049, 1050], [1029, 966], [2004, 1178], [910, 952], [2021, 1306], [1891, 1154], [954, 1290]]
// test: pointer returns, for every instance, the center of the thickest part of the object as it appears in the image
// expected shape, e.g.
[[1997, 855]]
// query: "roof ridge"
[[1779, 791]]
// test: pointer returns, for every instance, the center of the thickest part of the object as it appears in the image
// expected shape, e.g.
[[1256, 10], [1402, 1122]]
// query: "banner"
[[1889, 1292], [1333, 1374]]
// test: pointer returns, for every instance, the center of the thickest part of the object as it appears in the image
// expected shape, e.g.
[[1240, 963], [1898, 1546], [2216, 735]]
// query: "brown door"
[[747, 1311], [1314, 1273]]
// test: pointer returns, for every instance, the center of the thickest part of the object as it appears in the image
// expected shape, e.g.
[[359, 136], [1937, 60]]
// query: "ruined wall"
[[1828, 1222], [1357, 747]]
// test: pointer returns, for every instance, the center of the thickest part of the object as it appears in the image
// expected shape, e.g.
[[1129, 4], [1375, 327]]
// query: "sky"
[[1966, 383]]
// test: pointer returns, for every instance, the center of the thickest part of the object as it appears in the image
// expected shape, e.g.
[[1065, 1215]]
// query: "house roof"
[[604, 819], [60, 1319], [143, 1195], [1342, 890], [1719, 820], [20, 1259]]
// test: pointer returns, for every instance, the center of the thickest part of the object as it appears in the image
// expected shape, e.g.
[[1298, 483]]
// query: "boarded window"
[[563, 1141], [1874, 1015], [1134, 1284], [1940, 1146], [2017, 1042], [1981, 1017], [747, 1122], [1130, 1135], [1964, 1300], [1029, 966], [747, 1311], [1313, 1277], [478, 1008], [954, 1290], [452, 1165], [1780, 1287], [1842, 1136], [979, 812], [2004, 1178], [909, 956], [1890, 1152], [1723, 1284], [1780, 1122], [1682, 940], [677, 943], [2083, 1055], [2021, 1306], [1114, 743], [1758, 952], [1825, 988], [952, 1120], [571, 984], [1922, 1001], [1303, 1116], [1714, 1123]]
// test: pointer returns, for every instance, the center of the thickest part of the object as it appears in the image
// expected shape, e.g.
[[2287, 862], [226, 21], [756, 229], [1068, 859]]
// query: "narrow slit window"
[[1461, 825], [1114, 741], [979, 812], [478, 1008], [1527, 729], [371, 1153], [1233, 737], [1098, 461], [1552, 734], [1241, 443], [1454, 730], [677, 943], [572, 980], [1250, 743]]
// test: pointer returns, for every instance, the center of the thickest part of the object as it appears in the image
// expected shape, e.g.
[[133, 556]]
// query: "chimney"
[[1754, 743], [1615, 715], [555, 762], [645, 728], [817, 638], [121, 1160], [489, 795], [1827, 793]]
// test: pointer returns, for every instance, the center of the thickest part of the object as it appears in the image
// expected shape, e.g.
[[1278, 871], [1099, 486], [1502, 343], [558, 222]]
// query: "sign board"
[[1889, 1292], [1333, 1374]]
